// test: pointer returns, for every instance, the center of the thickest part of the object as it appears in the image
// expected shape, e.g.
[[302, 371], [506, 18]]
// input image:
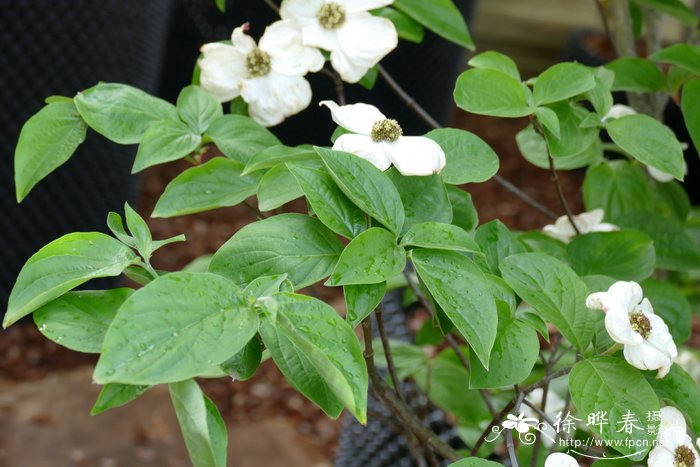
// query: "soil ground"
[[45, 390]]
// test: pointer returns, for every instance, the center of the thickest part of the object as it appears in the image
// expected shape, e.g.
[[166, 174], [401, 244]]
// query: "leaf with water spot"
[[175, 328], [317, 352], [63, 265], [79, 320], [371, 258]]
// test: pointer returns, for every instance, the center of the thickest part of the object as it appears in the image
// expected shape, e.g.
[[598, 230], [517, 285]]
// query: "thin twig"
[[433, 123], [338, 83], [555, 179], [397, 407], [254, 210], [407, 98], [273, 6], [387, 354], [510, 446]]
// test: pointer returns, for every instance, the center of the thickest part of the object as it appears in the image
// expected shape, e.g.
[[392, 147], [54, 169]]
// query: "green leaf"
[[475, 462], [370, 78], [497, 242], [491, 92], [440, 236], [691, 111], [554, 290], [407, 28], [464, 213], [447, 382], [469, 158], [681, 55], [318, 353], [513, 355], [464, 293], [174, 328], [549, 120], [328, 202], [648, 141], [122, 113], [47, 140], [221, 5], [679, 390], [625, 255], [493, 60], [115, 395], [201, 424], [608, 384], [572, 139], [672, 199], [616, 187], [670, 303], [140, 231], [245, 363], [368, 187], [239, 137], [600, 96], [274, 155], [361, 300], [675, 249], [539, 242], [115, 224], [198, 108], [265, 286], [63, 265], [289, 243], [277, 187], [424, 199], [79, 320], [163, 142], [440, 16], [562, 81], [370, 258], [675, 8], [636, 75], [214, 184], [534, 149]]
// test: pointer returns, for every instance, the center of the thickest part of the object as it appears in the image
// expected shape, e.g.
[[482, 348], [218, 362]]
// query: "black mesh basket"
[[60, 47]]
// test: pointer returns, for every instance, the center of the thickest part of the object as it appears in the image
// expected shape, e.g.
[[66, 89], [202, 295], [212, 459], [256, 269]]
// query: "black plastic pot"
[[60, 47]]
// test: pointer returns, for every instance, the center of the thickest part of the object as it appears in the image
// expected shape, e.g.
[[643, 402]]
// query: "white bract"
[[356, 39], [630, 320], [675, 448], [269, 76], [380, 141], [586, 222], [559, 459]]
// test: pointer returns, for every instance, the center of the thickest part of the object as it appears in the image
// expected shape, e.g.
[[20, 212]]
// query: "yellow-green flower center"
[[331, 15], [683, 457], [386, 130], [257, 63], [641, 324]]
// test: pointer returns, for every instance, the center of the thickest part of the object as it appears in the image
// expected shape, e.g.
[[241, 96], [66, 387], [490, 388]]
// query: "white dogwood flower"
[[630, 320], [586, 222], [675, 448], [356, 39], [664, 177], [559, 459], [269, 76], [380, 141]]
